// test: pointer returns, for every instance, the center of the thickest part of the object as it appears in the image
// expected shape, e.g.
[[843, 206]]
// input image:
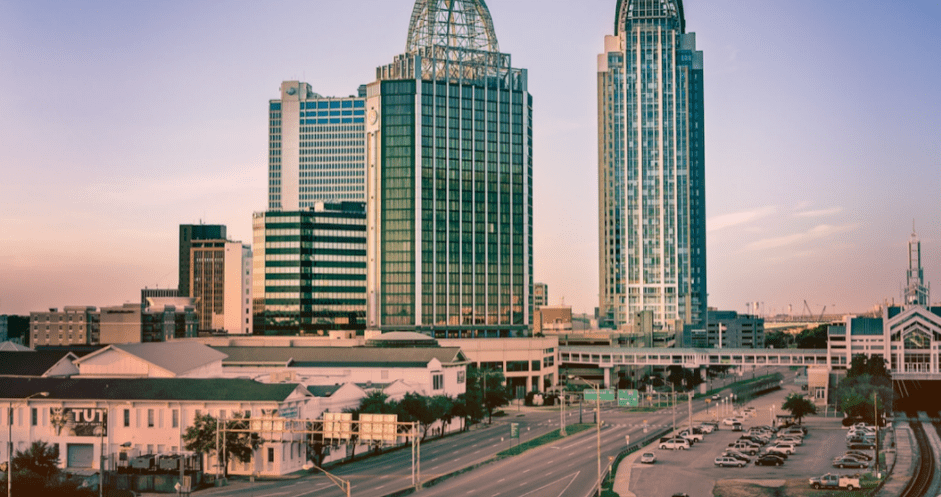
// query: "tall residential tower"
[[449, 174], [651, 183]]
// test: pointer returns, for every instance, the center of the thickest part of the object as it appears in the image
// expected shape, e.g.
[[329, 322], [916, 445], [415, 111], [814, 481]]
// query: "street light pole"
[[10, 438], [597, 422]]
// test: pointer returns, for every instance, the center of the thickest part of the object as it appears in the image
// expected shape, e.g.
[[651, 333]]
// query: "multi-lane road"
[[566, 467]]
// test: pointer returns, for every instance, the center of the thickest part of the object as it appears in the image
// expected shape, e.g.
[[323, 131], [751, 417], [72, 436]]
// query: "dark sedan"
[[860, 445], [849, 462], [862, 456], [769, 460]]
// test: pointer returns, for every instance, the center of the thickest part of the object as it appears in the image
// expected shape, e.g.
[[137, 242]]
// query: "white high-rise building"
[[316, 148]]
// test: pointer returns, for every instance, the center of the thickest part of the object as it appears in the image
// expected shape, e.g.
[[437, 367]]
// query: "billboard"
[[378, 427], [338, 425], [79, 422]]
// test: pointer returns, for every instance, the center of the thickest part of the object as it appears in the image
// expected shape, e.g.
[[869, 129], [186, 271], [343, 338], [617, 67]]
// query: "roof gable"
[[31, 363], [176, 357]]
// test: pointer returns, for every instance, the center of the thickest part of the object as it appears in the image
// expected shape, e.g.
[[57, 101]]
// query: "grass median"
[[548, 438]]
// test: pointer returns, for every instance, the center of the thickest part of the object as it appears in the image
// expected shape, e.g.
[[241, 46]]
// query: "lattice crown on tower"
[[464, 24]]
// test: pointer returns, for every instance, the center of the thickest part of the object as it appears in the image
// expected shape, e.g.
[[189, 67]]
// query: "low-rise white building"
[[86, 418]]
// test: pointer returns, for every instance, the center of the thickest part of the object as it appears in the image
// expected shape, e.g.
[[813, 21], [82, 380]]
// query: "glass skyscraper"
[[309, 269], [449, 173], [652, 218], [315, 148]]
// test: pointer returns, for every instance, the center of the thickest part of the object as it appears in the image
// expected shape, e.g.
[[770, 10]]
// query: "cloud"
[[816, 233], [819, 212], [735, 218]]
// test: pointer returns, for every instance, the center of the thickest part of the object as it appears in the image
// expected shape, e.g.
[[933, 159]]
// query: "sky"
[[119, 121]]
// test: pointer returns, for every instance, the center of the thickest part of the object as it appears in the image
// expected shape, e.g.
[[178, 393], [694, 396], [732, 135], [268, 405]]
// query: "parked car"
[[729, 461], [648, 458], [860, 445], [731, 421], [835, 481], [849, 462], [791, 440], [745, 447], [736, 426], [769, 460], [736, 454], [716, 397], [858, 455], [707, 427], [691, 434], [781, 449], [675, 444]]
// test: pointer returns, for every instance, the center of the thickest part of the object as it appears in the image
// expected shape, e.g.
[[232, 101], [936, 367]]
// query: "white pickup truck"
[[835, 481]]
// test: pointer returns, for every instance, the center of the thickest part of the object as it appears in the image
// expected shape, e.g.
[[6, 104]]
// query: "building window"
[[150, 418], [270, 454], [437, 380], [127, 418], [33, 416], [176, 419], [461, 375]]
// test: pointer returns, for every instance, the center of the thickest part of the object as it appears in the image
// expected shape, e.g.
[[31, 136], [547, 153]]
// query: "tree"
[[813, 338], [376, 402], [315, 445], [799, 406], [495, 392], [777, 340], [442, 407], [469, 407], [867, 381], [416, 407], [40, 458], [201, 437]]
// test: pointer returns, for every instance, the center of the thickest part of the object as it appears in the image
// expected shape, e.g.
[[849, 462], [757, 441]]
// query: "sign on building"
[[79, 422], [338, 425], [378, 427]]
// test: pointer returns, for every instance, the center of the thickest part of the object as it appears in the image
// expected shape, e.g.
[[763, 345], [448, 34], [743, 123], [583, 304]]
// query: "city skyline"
[[122, 122]]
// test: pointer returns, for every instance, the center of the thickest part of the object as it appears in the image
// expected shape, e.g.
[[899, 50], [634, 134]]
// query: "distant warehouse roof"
[[169, 389], [361, 357]]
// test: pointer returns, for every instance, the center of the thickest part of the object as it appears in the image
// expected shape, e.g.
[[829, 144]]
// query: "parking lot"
[[693, 471]]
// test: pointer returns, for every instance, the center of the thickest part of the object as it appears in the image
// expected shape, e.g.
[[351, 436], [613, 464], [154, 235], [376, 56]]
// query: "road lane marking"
[[553, 483]]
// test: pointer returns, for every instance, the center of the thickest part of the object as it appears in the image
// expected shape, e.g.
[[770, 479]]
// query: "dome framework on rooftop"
[[464, 24]]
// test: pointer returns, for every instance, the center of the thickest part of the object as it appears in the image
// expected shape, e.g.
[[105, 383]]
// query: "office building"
[[188, 234], [218, 283], [309, 269], [652, 218], [167, 318], [540, 295], [449, 173], [731, 330], [316, 148], [73, 325]]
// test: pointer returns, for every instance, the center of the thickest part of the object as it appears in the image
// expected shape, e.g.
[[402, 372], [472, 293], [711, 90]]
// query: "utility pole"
[[875, 420], [673, 396]]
